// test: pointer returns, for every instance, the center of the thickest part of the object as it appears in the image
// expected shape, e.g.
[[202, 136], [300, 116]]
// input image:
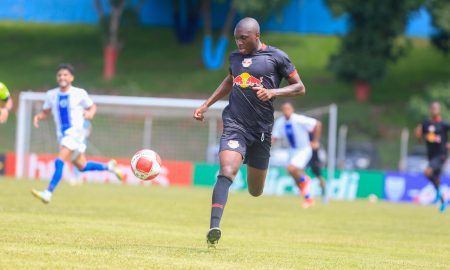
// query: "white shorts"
[[74, 141], [300, 158]]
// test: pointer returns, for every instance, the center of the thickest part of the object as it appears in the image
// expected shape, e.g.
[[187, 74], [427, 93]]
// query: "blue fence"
[[300, 16]]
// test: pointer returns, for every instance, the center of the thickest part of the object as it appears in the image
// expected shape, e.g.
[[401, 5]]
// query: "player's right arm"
[[221, 91], [40, 116], [418, 132]]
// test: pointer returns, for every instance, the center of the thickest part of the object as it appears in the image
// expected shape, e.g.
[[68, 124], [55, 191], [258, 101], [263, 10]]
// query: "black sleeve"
[[284, 65], [446, 125]]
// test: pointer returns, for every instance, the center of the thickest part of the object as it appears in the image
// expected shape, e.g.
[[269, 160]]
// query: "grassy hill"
[[151, 63]]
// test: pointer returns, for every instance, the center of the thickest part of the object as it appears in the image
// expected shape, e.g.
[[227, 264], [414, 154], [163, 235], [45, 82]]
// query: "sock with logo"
[[219, 199]]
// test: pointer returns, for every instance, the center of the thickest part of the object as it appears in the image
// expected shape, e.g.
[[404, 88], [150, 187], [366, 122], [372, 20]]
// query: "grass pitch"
[[128, 227]]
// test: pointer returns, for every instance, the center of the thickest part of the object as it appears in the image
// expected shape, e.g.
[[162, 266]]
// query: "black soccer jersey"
[[435, 136], [266, 68]]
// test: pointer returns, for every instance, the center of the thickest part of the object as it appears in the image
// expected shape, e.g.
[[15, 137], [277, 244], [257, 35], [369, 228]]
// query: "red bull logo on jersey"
[[431, 136], [245, 80]]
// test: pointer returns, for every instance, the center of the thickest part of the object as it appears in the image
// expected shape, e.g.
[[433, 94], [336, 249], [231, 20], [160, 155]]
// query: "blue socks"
[[57, 175], [95, 166], [219, 199], [59, 166]]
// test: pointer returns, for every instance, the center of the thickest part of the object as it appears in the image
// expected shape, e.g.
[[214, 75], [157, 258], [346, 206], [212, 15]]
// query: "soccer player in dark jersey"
[[434, 132], [253, 82], [315, 164]]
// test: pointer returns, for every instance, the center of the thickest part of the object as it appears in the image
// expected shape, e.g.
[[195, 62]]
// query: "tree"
[[110, 25], [419, 105], [186, 18], [440, 14], [373, 40], [260, 9]]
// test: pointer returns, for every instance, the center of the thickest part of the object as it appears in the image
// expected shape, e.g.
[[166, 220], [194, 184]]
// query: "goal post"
[[125, 124], [119, 121]]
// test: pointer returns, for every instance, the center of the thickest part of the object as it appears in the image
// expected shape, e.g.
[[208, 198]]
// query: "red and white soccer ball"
[[146, 164]]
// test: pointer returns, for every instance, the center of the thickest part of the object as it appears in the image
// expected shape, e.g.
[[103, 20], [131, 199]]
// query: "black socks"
[[219, 199]]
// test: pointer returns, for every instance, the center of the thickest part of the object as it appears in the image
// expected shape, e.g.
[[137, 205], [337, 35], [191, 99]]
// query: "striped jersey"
[[68, 110]]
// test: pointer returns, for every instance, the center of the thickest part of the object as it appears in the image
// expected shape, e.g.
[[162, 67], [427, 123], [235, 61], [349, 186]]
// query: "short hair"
[[287, 102], [65, 66]]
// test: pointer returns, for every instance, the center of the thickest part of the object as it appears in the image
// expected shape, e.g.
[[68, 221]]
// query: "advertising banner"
[[2, 164], [346, 185], [412, 187], [173, 173]]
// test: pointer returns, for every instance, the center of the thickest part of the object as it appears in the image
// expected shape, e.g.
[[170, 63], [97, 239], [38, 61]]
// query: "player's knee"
[[255, 193], [229, 171], [428, 172]]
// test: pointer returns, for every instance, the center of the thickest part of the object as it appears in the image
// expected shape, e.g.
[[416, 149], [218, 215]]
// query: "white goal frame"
[[152, 108]]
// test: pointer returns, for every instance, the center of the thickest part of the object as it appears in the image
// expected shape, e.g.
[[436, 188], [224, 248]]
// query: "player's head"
[[247, 34], [435, 109], [65, 76], [287, 108]]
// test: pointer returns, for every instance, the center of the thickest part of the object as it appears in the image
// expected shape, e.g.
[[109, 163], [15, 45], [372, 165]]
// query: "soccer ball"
[[146, 164]]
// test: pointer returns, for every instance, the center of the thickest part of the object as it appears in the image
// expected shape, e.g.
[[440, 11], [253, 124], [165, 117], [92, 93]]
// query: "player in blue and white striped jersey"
[[70, 107], [296, 129]]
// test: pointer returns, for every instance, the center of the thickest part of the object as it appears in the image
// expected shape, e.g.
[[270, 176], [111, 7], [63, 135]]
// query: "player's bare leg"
[[84, 165], [303, 181], [255, 179], [46, 195], [230, 162]]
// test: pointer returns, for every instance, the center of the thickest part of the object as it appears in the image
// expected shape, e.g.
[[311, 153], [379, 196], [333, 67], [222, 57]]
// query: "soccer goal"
[[124, 125]]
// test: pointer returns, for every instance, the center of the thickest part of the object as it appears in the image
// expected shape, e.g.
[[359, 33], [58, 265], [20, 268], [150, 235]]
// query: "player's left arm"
[[4, 110], [316, 134], [418, 132], [295, 87], [89, 113]]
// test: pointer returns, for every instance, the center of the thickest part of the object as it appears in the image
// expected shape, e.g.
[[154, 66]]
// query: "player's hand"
[[199, 113], [36, 120], [315, 145], [3, 115], [262, 93], [89, 115]]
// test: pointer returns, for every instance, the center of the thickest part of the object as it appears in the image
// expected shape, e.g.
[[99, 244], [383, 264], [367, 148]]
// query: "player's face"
[[435, 109], [247, 41], [64, 78], [287, 110]]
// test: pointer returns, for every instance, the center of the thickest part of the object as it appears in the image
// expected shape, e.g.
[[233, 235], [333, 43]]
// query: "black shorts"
[[315, 164], [436, 163], [254, 147]]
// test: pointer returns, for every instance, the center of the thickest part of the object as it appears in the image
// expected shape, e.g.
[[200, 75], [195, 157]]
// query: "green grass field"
[[127, 227]]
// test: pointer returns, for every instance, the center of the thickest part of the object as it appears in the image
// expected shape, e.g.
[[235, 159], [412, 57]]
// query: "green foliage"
[[440, 13], [373, 38], [260, 9], [419, 105]]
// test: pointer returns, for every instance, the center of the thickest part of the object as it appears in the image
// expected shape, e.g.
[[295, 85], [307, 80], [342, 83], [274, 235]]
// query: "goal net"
[[124, 125]]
